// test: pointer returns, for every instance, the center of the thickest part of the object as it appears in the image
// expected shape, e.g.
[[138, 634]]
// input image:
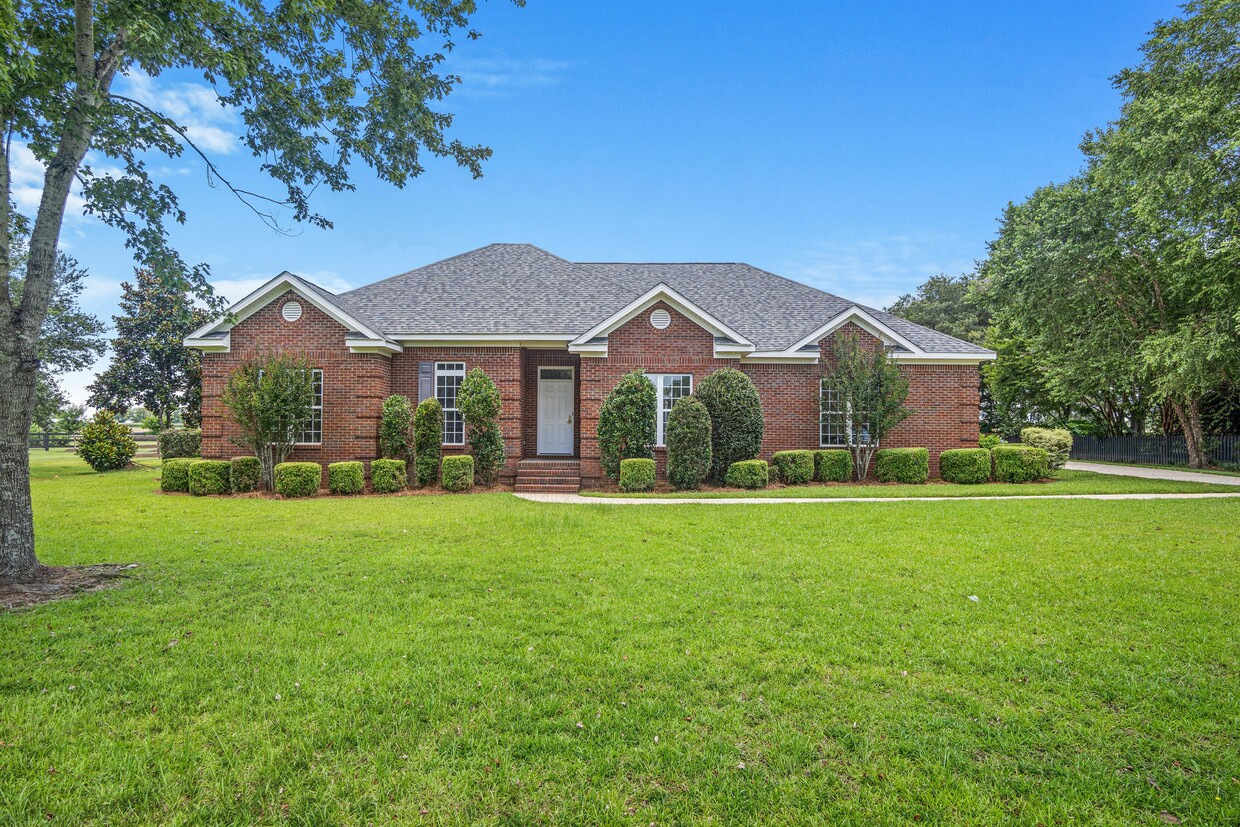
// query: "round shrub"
[[688, 443], [457, 473], [105, 444], [1019, 463], [480, 403], [1056, 442], [908, 465], [245, 474], [174, 476], [735, 418], [833, 465], [427, 441], [181, 442], [626, 422], [298, 479], [208, 476], [748, 473], [636, 474], [346, 477], [967, 466], [387, 476], [793, 467], [395, 426]]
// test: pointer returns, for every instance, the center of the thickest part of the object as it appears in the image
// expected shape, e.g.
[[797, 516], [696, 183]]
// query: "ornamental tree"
[[626, 422], [318, 86], [396, 428], [871, 391], [270, 399], [480, 404], [688, 443], [735, 418]]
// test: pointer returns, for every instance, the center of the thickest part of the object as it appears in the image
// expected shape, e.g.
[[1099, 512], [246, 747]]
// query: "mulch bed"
[[58, 582]]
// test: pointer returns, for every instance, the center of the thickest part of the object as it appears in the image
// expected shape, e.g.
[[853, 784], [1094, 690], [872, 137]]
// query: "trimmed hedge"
[[833, 465], [688, 443], [298, 479], [174, 476], [427, 441], [245, 474], [967, 466], [626, 422], [748, 473], [457, 473], [793, 467], [208, 476], [346, 477], [636, 474], [1056, 442], [735, 418], [180, 443], [387, 476], [396, 428], [1019, 463], [907, 465]]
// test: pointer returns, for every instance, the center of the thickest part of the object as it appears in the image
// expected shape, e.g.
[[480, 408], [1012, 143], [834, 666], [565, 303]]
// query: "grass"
[[1064, 482], [448, 660]]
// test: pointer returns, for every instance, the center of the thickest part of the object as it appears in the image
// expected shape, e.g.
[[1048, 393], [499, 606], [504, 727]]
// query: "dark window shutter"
[[426, 380]]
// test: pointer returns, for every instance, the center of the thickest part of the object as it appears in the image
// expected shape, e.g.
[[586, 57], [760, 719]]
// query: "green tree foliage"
[[317, 85], [626, 422], [427, 440], [688, 443], [1124, 277], [480, 404], [396, 428], [735, 418], [150, 364], [270, 399], [105, 444], [946, 304], [71, 419], [872, 391]]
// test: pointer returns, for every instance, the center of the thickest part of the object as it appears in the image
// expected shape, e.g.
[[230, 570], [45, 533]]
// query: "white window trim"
[[441, 369], [318, 407], [851, 439], [659, 380]]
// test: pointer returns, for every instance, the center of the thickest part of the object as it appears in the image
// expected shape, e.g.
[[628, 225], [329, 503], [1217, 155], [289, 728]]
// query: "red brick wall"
[[354, 384], [944, 396]]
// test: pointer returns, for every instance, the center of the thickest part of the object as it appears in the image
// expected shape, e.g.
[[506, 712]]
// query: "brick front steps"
[[548, 476]]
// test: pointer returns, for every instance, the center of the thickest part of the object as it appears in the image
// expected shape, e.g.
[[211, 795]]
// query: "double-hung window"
[[448, 376], [835, 424], [312, 429], [668, 387]]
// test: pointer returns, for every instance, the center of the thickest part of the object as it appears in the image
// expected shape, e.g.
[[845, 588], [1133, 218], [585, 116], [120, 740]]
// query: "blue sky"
[[860, 147]]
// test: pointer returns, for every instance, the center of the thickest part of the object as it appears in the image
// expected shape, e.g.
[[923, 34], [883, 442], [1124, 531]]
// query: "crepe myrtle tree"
[[317, 86], [270, 399], [868, 393]]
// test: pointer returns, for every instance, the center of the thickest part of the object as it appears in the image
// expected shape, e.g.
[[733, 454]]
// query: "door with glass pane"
[[556, 389]]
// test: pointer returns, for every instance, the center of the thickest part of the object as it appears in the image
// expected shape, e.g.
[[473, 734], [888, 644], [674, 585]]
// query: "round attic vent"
[[660, 319], [291, 311]]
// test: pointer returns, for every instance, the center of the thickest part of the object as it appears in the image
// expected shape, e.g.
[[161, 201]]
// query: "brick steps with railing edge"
[[558, 476]]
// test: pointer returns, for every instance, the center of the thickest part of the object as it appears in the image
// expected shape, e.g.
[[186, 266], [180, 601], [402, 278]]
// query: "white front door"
[[555, 410]]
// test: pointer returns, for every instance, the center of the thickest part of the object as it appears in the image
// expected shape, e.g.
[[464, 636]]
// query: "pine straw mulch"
[[58, 582]]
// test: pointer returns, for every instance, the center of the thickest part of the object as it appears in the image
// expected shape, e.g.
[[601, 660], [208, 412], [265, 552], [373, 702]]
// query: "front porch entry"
[[557, 392]]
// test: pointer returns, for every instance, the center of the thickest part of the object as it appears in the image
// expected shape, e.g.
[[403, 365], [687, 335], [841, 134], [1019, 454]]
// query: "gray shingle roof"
[[522, 289]]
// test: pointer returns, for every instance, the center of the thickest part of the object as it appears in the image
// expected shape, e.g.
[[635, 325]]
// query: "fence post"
[[47, 442]]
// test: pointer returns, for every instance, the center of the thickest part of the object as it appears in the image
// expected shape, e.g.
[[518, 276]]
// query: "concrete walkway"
[[577, 499], [1153, 473]]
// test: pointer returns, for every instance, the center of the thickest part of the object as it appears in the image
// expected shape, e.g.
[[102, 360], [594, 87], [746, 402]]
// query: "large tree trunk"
[[1189, 414], [17, 378]]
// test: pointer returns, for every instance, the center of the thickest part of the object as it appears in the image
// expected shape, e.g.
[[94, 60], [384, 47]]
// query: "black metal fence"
[[1152, 450]]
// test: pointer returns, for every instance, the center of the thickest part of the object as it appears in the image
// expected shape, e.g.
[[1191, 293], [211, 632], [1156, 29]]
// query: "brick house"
[[556, 336]]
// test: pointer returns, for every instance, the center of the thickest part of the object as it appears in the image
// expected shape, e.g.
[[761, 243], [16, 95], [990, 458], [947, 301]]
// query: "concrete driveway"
[[1153, 473]]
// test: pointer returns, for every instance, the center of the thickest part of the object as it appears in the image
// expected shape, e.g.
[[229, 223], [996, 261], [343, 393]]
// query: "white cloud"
[[500, 75], [26, 173], [195, 106], [875, 272]]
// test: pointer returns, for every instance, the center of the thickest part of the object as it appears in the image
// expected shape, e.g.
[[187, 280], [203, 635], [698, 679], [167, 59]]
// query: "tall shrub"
[[1056, 442], [870, 391], [626, 422], [106, 444], [480, 404], [395, 427], [688, 443], [735, 418], [427, 440], [270, 399]]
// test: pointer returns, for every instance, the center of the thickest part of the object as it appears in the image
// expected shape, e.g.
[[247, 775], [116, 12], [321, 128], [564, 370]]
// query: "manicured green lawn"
[[1064, 482], [443, 660]]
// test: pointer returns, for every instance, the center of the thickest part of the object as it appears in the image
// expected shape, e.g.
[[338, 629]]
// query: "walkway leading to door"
[[1153, 473], [577, 499]]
